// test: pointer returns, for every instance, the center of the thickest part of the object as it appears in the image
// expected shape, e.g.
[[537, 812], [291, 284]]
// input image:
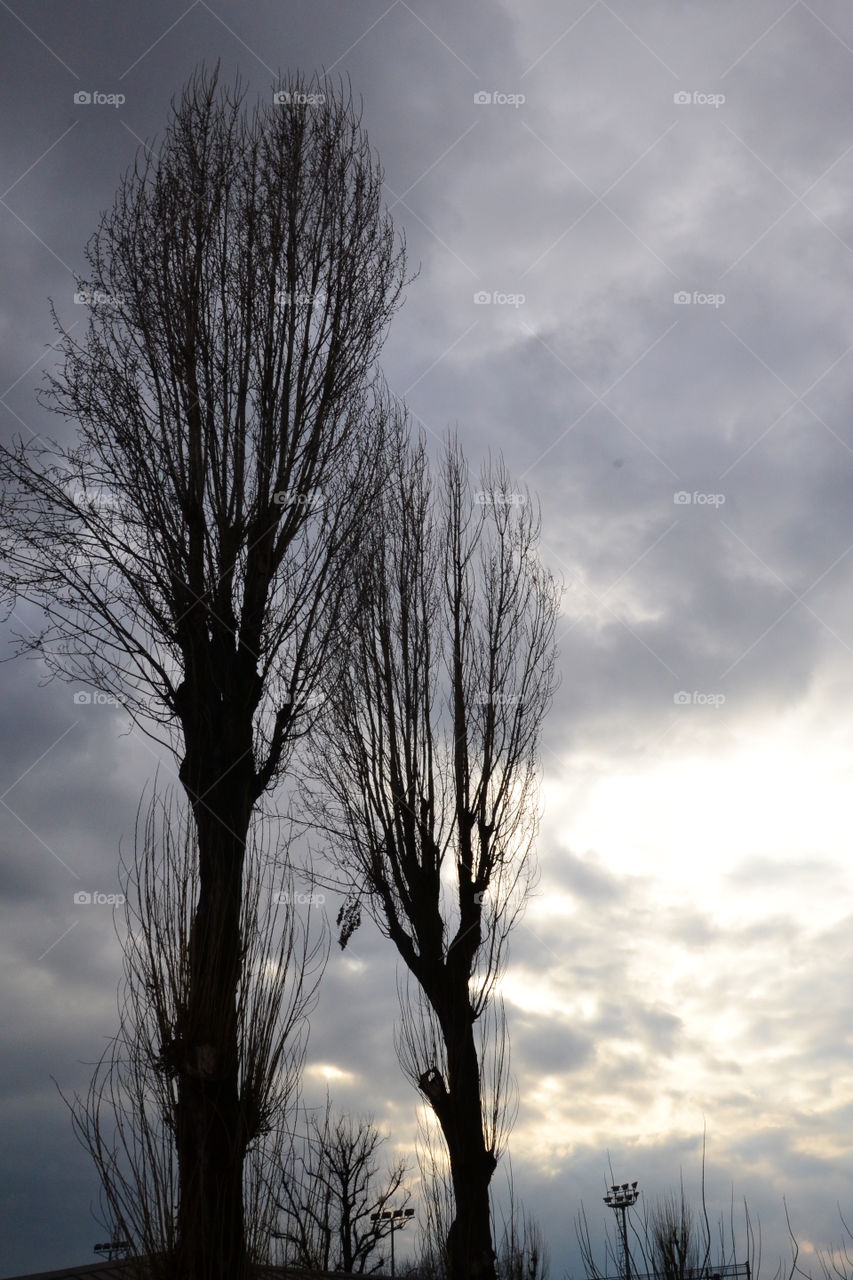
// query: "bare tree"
[[429, 775], [523, 1252], [664, 1242], [522, 1249], [676, 1248], [128, 1119], [188, 548], [836, 1260], [331, 1191], [435, 1197], [673, 1240]]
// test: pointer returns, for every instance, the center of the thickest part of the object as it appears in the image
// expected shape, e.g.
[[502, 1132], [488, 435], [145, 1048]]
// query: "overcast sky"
[[687, 960]]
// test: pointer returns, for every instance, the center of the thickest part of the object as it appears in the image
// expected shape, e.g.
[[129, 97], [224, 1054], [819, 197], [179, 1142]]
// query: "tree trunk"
[[458, 1108], [218, 775], [209, 1136]]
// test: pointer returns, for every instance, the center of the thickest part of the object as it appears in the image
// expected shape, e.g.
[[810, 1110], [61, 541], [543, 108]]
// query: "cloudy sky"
[[632, 223]]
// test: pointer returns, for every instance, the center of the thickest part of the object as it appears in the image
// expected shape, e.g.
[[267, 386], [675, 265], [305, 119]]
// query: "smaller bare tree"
[[675, 1246], [127, 1119], [332, 1192], [522, 1252], [435, 1197], [836, 1260], [673, 1240]]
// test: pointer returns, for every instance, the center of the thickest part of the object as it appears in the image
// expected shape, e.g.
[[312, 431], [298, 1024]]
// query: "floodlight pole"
[[113, 1248], [621, 1198], [393, 1216]]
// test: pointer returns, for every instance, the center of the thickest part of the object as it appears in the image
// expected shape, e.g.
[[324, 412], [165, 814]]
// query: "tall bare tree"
[[334, 1192], [187, 549], [429, 775], [128, 1119]]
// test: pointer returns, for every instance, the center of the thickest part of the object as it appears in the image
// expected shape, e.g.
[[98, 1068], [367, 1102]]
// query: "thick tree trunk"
[[458, 1107], [210, 1144], [218, 775], [469, 1241]]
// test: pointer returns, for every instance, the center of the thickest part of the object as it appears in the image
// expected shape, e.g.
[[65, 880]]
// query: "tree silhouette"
[[128, 1119], [333, 1186], [428, 780], [188, 549]]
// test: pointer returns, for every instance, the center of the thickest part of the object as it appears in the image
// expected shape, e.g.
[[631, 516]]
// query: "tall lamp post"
[[395, 1217], [622, 1197]]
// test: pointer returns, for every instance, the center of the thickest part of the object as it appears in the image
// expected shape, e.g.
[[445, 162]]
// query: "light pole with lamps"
[[113, 1248], [622, 1197], [393, 1216]]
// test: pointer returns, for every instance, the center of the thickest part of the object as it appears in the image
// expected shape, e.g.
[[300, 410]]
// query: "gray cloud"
[[654, 981]]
